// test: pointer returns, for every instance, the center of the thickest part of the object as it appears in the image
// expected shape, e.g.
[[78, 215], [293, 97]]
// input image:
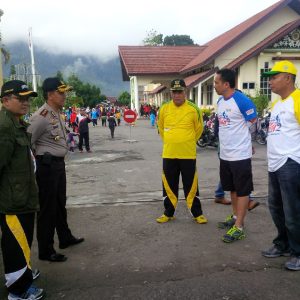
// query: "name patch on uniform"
[[249, 111], [44, 112]]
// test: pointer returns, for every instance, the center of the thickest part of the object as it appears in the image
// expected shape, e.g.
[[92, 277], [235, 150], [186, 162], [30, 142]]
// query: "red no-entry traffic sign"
[[129, 116]]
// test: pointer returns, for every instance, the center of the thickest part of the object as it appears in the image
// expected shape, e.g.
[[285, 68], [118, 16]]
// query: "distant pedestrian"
[[71, 140], [94, 116], [82, 121], [104, 117], [112, 124], [118, 117], [73, 120], [152, 116]]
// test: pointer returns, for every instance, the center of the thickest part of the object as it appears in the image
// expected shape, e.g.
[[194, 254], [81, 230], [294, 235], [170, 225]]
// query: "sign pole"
[[129, 118]]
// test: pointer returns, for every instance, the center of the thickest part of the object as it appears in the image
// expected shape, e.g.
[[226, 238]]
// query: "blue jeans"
[[219, 192], [284, 205]]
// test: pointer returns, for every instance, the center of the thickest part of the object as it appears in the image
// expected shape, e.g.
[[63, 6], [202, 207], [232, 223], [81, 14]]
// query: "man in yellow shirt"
[[180, 125]]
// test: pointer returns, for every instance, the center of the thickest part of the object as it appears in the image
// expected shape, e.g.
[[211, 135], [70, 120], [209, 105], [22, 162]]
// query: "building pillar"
[[1, 71], [199, 95], [134, 93]]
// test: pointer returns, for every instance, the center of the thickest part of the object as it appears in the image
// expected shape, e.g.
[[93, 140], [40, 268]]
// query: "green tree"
[[261, 102], [124, 98], [178, 40], [74, 101], [5, 53], [60, 75], [102, 98], [153, 38], [38, 101], [12, 71], [89, 93]]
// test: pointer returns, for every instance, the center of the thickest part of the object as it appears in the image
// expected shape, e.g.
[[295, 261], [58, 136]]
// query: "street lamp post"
[[1, 71]]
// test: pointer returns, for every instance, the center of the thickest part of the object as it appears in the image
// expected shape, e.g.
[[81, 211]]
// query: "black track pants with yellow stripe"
[[16, 240], [172, 168]]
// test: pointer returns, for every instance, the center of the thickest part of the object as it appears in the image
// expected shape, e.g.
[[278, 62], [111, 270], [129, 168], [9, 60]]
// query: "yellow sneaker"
[[201, 220], [164, 219]]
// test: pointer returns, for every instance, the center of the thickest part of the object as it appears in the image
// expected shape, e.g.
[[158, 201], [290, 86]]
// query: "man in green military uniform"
[[18, 191], [49, 141]]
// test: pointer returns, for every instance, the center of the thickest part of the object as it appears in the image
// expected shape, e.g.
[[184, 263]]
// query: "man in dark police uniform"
[[50, 145]]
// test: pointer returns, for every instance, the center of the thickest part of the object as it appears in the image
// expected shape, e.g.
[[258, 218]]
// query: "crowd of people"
[[37, 151]]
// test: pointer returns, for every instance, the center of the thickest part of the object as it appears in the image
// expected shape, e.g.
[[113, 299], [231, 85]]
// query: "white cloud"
[[97, 27], [77, 67]]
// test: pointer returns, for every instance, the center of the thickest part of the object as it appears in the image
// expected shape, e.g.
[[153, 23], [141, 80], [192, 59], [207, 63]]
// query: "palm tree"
[[5, 54]]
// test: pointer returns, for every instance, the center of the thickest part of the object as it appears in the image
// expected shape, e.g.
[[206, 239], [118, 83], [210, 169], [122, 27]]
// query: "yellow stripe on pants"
[[193, 191], [169, 192], [17, 230]]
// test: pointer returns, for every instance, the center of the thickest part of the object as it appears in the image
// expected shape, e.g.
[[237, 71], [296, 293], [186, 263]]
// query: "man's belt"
[[48, 158]]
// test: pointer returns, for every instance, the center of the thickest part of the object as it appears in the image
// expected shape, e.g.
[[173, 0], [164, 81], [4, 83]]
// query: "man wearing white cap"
[[284, 164]]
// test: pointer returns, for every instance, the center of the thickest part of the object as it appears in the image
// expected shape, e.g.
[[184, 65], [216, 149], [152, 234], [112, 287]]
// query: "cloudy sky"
[[98, 27]]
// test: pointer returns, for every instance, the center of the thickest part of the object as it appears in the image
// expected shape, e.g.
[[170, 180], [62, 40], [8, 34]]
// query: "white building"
[[249, 48]]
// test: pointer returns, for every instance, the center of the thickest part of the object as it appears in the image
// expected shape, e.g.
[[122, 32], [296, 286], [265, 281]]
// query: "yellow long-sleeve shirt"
[[180, 127]]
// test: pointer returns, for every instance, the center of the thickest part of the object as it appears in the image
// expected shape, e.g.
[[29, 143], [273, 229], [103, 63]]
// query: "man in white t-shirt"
[[284, 164], [237, 116]]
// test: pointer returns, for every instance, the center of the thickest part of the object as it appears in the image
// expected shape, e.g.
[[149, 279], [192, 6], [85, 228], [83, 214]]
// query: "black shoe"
[[275, 252], [71, 242], [55, 257]]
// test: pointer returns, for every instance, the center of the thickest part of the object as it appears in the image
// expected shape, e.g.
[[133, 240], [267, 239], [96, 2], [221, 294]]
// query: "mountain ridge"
[[105, 75]]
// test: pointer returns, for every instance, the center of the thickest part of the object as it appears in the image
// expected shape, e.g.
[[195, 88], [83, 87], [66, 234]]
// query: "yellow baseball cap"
[[283, 66]]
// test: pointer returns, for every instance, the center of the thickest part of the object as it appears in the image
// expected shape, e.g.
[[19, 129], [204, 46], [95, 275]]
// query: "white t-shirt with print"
[[234, 135], [284, 132]]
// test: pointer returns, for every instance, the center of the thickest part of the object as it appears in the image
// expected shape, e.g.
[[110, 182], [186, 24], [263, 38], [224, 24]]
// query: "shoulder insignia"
[[44, 112]]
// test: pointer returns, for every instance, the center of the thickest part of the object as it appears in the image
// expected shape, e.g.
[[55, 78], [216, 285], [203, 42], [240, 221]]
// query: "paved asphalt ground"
[[114, 196]]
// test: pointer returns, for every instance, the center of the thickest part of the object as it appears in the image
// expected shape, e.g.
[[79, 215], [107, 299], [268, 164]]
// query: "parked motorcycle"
[[262, 130], [207, 138]]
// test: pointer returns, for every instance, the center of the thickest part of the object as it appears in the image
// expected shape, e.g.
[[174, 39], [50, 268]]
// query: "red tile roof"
[[156, 59], [158, 89], [271, 39], [112, 99], [226, 40], [194, 79], [179, 60]]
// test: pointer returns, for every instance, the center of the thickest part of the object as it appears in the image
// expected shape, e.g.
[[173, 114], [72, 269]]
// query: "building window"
[[194, 95], [202, 95], [209, 94], [264, 82], [248, 85]]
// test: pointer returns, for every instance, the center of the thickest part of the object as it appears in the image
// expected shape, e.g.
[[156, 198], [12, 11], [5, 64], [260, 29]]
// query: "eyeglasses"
[[21, 98]]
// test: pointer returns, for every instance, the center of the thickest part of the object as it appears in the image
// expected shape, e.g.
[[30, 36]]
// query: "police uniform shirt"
[[48, 132]]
